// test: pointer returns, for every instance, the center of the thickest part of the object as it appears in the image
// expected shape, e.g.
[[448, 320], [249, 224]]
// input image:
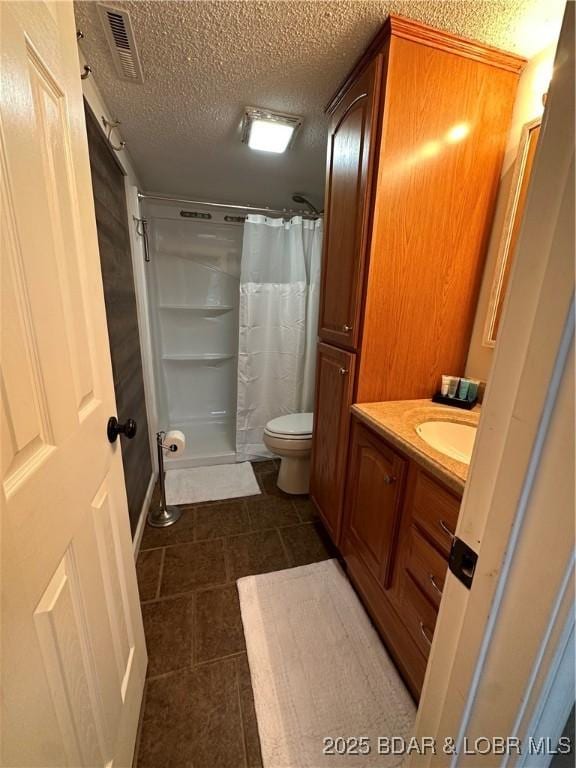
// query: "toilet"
[[290, 437]]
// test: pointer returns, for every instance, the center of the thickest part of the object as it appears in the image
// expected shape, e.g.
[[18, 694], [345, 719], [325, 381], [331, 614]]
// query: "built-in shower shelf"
[[194, 276], [199, 307], [202, 358]]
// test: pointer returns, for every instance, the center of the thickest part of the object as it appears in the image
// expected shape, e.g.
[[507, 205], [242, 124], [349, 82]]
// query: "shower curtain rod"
[[235, 206]]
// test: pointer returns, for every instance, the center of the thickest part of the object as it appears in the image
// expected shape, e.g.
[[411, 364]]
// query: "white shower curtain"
[[279, 292]]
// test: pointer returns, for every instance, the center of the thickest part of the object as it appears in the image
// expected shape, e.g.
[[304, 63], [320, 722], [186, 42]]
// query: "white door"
[[73, 657], [498, 661]]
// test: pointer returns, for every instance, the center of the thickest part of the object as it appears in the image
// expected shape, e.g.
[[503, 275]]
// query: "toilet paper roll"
[[176, 441]]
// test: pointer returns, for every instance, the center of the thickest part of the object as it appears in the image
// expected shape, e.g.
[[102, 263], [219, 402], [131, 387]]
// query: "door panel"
[[347, 210], [113, 576], [373, 502], [334, 386], [62, 634], [49, 108], [73, 653]]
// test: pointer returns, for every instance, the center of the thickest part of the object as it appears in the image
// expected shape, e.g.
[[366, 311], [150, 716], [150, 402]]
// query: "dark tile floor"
[[198, 709]]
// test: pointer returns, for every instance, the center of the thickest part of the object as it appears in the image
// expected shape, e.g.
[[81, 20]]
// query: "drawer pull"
[[389, 479], [425, 634], [346, 328], [445, 528], [343, 371], [434, 584]]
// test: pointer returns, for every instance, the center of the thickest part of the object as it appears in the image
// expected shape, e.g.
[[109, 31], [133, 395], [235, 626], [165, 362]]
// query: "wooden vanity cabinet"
[[348, 185], [434, 510], [376, 479], [415, 149], [335, 371], [397, 526]]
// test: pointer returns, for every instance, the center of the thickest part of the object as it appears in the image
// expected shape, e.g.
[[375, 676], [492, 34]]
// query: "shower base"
[[207, 443]]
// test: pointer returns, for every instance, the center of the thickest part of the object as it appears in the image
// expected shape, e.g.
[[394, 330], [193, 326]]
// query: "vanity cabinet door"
[[373, 503], [347, 209], [334, 387]]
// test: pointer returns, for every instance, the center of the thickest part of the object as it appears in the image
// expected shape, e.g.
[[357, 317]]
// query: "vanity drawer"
[[435, 511], [426, 566], [419, 614]]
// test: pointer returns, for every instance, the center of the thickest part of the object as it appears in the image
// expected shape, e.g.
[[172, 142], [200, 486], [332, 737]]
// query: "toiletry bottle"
[[445, 385], [453, 385], [473, 385]]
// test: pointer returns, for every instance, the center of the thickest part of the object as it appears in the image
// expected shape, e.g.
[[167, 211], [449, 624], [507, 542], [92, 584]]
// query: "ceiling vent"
[[120, 37]]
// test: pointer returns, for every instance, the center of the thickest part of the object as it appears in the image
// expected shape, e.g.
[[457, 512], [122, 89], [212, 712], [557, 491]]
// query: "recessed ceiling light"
[[269, 131]]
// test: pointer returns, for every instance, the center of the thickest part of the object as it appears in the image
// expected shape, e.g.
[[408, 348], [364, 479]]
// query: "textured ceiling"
[[204, 61]]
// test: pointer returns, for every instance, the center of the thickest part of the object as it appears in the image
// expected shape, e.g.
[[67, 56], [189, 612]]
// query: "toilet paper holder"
[[166, 514], [166, 446]]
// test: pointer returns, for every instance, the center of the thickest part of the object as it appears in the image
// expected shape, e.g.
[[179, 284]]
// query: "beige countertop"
[[397, 420]]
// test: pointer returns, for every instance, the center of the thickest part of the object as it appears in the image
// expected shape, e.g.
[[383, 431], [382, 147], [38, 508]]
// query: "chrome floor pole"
[[165, 515]]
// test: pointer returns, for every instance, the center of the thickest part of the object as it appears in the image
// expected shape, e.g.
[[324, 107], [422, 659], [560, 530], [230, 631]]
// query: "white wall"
[[528, 106]]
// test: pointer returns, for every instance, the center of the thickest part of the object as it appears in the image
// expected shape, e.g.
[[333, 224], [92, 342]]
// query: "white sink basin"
[[449, 437]]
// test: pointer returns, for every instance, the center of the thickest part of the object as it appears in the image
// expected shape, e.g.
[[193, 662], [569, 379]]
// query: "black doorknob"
[[128, 429]]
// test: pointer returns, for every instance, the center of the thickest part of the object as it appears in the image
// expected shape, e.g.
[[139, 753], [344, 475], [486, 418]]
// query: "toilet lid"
[[292, 425]]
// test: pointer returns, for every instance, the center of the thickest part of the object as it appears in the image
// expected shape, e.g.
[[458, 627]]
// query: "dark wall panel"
[[120, 299]]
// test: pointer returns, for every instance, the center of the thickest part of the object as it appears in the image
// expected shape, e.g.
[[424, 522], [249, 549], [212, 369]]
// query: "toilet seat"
[[294, 426]]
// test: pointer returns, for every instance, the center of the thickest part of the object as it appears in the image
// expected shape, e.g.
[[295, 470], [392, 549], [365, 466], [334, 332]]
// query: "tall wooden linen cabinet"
[[415, 149]]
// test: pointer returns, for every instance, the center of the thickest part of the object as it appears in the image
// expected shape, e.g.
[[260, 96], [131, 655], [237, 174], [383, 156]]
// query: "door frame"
[[482, 678]]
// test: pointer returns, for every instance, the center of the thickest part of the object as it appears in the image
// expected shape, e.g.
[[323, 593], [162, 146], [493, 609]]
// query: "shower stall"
[[192, 275], [192, 280]]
